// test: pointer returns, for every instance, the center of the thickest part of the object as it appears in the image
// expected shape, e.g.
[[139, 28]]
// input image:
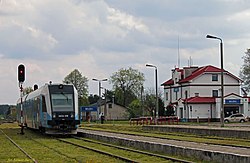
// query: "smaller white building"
[[110, 110], [196, 92]]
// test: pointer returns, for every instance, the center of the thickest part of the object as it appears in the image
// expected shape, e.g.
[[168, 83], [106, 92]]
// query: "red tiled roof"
[[200, 100], [198, 72], [168, 82], [204, 69]]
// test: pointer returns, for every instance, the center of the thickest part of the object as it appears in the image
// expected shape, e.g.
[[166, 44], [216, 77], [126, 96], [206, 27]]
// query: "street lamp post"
[[156, 89], [99, 101], [222, 79]]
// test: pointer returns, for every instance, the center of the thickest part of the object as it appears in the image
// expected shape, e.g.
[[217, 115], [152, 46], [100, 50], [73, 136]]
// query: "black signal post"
[[21, 78]]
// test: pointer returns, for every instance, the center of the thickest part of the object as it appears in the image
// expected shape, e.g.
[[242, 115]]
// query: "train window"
[[62, 102]]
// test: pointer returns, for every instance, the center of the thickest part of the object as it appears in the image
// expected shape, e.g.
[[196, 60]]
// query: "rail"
[[99, 151], [134, 150], [13, 142]]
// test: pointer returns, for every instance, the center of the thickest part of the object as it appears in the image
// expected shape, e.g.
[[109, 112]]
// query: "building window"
[[215, 93], [166, 95], [214, 77]]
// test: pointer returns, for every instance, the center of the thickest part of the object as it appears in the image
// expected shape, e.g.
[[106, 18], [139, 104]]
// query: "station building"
[[195, 92], [110, 110]]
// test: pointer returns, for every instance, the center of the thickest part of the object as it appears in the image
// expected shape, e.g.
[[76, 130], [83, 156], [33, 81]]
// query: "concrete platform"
[[201, 151]]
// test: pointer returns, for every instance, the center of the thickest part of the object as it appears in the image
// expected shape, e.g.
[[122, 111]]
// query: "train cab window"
[[62, 102]]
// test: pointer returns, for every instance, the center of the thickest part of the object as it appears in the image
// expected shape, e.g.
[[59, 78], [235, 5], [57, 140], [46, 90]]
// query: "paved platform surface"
[[229, 126]]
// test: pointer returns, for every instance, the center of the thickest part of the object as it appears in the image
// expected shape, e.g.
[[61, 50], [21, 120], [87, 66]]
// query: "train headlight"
[[72, 115], [54, 115]]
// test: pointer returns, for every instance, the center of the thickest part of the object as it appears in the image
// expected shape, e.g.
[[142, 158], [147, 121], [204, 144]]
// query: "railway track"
[[20, 148], [99, 151], [133, 150], [55, 150]]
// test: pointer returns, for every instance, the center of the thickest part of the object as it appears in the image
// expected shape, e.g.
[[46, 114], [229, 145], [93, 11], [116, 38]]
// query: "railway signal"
[[21, 73], [21, 78]]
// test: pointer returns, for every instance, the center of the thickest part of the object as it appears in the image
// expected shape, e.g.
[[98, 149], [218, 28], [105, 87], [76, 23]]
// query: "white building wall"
[[200, 110], [204, 91], [176, 76], [246, 107], [218, 107]]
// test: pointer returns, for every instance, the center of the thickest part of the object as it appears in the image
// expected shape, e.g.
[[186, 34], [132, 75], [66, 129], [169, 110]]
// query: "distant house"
[[196, 92], [114, 111], [110, 110]]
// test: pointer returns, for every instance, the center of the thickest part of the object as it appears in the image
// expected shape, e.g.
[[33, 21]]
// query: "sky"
[[99, 37]]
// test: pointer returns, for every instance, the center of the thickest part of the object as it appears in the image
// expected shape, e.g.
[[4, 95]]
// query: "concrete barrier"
[[220, 132]]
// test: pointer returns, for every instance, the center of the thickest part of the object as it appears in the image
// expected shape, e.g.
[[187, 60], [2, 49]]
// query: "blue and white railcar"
[[53, 109]]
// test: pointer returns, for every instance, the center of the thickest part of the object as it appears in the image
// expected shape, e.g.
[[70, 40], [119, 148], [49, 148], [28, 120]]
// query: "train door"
[[36, 113], [44, 111]]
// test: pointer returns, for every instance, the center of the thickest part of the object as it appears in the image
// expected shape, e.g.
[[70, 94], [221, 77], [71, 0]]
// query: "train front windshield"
[[62, 102]]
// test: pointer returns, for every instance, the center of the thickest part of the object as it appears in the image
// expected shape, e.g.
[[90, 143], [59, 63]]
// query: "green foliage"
[[134, 109], [110, 95], [170, 110], [245, 70], [27, 90], [161, 107], [127, 84], [79, 81], [83, 101], [150, 103], [93, 99]]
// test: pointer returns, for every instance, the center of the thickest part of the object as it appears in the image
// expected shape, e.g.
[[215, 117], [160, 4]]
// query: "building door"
[[229, 110], [181, 112]]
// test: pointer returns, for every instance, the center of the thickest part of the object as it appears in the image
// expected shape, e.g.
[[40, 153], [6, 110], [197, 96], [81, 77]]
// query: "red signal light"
[[21, 73]]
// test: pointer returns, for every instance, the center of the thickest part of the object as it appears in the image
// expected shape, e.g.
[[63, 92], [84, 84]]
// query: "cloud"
[[99, 37], [126, 21]]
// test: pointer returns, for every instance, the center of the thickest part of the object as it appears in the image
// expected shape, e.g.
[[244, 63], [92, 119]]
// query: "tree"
[[245, 70], [134, 109], [170, 110], [93, 99], [27, 90], [81, 84], [127, 84], [161, 106], [150, 102]]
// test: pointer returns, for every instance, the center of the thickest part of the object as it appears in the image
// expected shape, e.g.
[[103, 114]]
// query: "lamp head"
[[149, 65], [214, 37], [210, 36]]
